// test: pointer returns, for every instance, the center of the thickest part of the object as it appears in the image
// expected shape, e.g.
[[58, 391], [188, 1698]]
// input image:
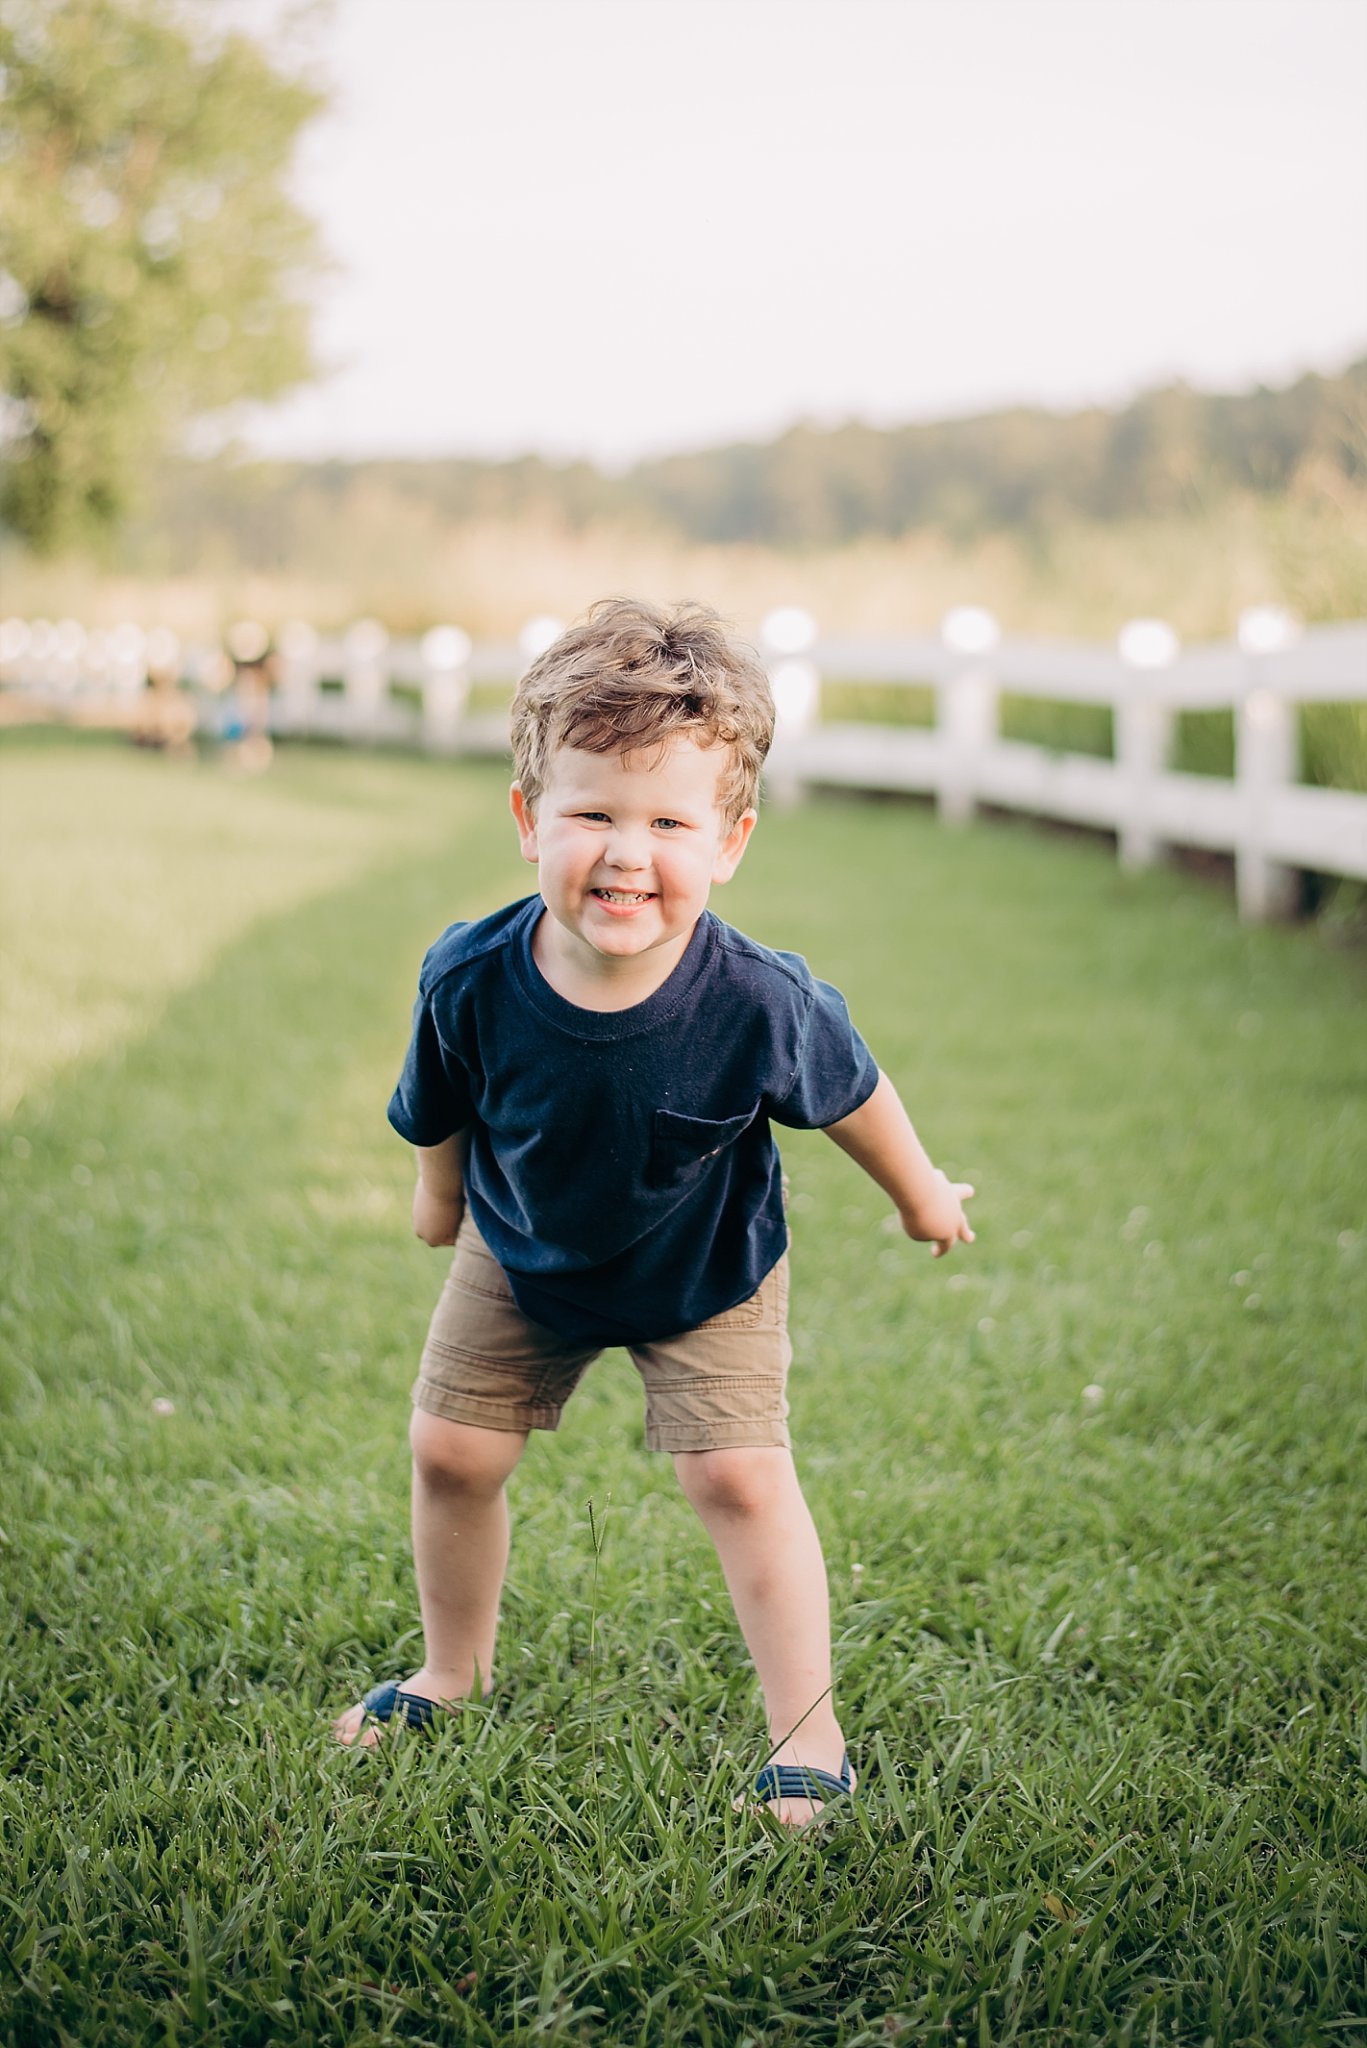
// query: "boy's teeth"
[[624, 895]]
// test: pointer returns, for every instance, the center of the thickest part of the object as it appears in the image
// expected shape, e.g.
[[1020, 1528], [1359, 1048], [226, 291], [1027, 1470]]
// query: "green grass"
[[1100, 1657], [1044, 722]]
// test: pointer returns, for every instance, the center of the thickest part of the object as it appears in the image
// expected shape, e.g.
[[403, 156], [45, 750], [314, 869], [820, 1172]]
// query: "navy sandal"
[[802, 1781], [383, 1702]]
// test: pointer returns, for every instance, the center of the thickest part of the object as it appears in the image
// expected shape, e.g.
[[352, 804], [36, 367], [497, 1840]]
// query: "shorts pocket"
[[475, 1270], [746, 1315], [766, 1308]]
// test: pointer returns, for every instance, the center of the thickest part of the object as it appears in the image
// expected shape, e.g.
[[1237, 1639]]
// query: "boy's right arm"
[[879, 1137], [439, 1197]]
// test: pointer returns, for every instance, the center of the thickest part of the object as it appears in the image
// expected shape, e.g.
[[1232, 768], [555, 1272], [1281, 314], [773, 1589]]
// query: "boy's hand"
[[879, 1137], [939, 1218], [436, 1218]]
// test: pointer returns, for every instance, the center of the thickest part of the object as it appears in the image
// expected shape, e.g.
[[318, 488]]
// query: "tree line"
[[154, 271], [1172, 451]]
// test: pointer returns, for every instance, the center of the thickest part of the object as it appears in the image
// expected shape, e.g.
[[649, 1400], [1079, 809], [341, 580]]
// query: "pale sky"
[[618, 227]]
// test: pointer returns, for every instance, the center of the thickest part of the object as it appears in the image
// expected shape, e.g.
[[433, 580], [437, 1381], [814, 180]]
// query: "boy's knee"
[[460, 1454], [744, 1481]]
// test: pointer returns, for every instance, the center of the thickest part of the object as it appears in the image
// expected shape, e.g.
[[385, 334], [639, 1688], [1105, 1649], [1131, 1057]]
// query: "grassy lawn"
[[1092, 1491]]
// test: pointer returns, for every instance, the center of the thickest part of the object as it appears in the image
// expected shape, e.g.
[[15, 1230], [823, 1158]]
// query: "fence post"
[[68, 648], [1266, 759], [1143, 737], [363, 674], [127, 662], [41, 636], [14, 645], [966, 709], [298, 676], [786, 637], [446, 655], [537, 635]]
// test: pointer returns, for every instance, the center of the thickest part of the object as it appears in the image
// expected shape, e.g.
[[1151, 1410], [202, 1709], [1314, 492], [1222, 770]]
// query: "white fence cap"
[[247, 641], [1266, 628], [788, 630], [366, 640], [163, 648], [446, 647], [127, 642], [537, 635], [970, 629], [1148, 643], [298, 640]]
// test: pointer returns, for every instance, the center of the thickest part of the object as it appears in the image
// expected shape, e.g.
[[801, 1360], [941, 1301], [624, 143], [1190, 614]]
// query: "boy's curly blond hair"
[[628, 676]]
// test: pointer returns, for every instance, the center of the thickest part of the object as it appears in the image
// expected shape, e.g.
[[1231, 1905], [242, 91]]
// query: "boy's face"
[[627, 847]]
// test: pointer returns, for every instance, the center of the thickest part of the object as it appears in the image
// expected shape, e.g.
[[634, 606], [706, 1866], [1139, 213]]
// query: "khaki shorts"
[[714, 1388]]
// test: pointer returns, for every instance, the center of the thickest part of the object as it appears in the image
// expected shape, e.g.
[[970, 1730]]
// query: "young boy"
[[590, 1085]]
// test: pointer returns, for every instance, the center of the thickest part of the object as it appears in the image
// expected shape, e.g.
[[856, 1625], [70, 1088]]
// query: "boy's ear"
[[733, 846], [526, 823]]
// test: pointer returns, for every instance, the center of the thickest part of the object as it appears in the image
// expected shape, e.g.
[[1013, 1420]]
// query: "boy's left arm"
[[439, 1197], [879, 1137]]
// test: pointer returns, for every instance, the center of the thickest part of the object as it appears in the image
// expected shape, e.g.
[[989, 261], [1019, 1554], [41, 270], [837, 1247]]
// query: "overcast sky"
[[614, 227]]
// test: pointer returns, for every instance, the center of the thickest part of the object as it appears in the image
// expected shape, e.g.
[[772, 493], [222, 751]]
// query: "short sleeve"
[[432, 1101], [835, 1074]]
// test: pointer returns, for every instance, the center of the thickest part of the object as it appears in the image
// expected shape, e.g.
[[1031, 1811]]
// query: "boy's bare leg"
[[752, 1507], [460, 1552]]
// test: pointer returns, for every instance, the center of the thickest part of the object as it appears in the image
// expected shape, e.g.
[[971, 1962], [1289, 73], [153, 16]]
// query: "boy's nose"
[[626, 850]]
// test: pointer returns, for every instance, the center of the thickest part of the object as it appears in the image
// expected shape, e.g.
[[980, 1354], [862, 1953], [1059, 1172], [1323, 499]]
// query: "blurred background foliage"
[[1184, 504], [1172, 453], [155, 274], [152, 266]]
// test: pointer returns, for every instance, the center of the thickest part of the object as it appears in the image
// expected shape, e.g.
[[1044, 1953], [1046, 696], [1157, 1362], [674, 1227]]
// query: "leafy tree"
[[152, 267]]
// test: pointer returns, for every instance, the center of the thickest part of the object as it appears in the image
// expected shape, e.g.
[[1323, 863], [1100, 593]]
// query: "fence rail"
[[1273, 825], [365, 688]]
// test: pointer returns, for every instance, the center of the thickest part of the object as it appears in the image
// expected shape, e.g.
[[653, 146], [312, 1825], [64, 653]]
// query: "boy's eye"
[[668, 824]]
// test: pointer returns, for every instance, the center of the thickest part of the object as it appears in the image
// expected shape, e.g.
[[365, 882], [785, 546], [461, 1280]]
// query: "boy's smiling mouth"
[[623, 896]]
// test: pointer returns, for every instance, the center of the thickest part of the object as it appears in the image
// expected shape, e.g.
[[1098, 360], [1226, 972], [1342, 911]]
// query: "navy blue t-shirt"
[[621, 1167]]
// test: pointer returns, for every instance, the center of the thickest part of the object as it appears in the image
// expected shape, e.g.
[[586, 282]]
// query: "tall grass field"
[[1093, 1491]]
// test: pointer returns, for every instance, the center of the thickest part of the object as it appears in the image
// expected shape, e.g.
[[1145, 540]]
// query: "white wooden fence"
[[1272, 823], [363, 687]]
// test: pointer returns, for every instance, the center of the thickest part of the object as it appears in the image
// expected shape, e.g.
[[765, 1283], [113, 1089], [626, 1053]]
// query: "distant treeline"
[[1173, 450]]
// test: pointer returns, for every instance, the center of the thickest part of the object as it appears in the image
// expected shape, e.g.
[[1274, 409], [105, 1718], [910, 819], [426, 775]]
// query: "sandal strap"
[[800, 1781], [383, 1701]]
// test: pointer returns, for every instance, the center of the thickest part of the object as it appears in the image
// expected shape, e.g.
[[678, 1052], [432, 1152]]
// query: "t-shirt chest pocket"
[[683, 1145]]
